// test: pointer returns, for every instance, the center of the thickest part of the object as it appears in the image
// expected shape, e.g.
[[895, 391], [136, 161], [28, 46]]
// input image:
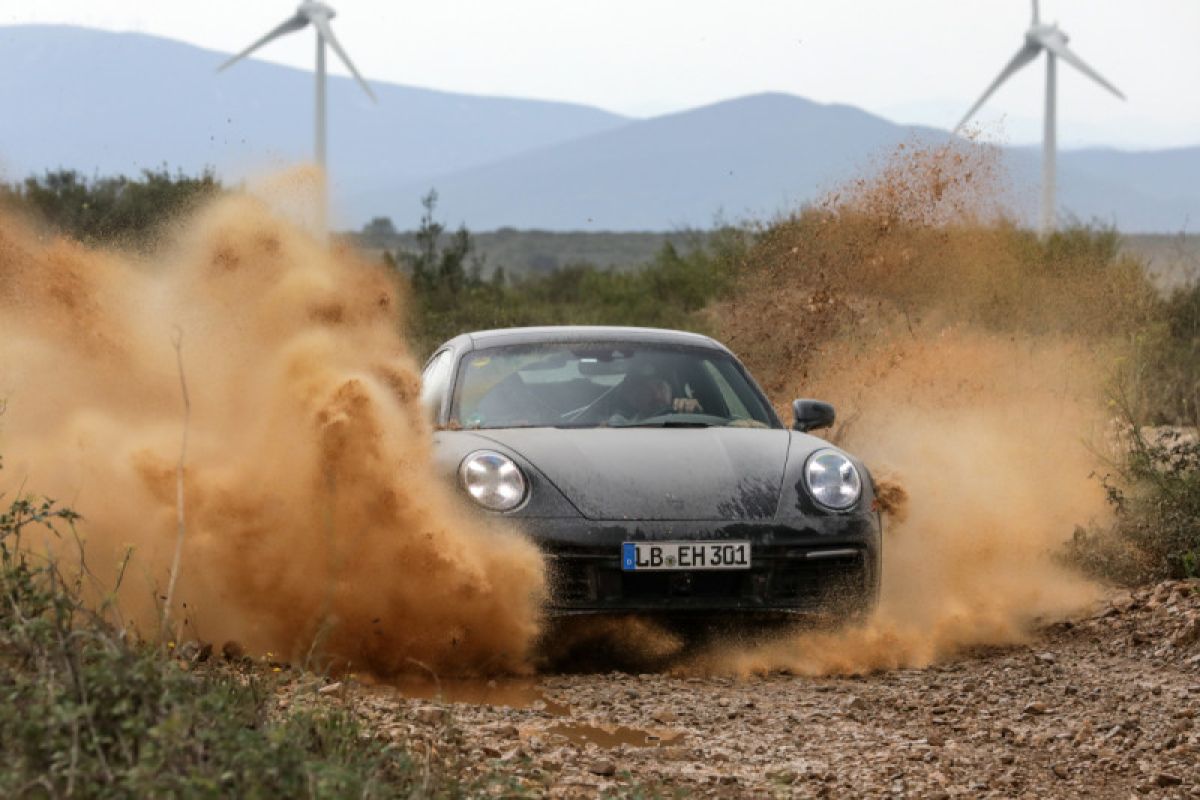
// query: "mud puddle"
[[517, 693], [527, 694], [609, 736]]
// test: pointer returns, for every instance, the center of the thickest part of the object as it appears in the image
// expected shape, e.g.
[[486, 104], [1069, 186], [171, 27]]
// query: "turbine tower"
[[318, 15], [1051, 39]]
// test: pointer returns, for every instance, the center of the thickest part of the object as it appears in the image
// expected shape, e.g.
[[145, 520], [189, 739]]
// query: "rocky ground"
[[1104, 706]]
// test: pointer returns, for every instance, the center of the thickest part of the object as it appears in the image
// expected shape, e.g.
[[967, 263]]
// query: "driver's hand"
[[686, 405]]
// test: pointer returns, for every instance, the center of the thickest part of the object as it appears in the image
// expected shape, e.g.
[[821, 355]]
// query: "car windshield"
[[604, 384]]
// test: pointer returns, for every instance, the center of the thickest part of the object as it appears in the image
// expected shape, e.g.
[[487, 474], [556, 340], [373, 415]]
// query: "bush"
[[669, 292], [87, 709], [1154, 487], [120, 211], [1155, 493], [1166, 372]]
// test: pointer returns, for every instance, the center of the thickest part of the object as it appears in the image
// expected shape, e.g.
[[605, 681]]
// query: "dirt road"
[[1103, 706]]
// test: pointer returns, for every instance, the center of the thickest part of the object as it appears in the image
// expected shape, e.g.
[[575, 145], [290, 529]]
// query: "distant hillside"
[[755, 156], [106, 102], [109, 102], [747, 157], [1143, 191]]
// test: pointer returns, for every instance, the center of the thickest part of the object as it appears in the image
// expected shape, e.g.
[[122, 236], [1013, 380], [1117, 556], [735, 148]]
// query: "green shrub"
[[1154, 487], [669, 292], [1155, 494], [86, 709], [1166, 371], [120, 211]]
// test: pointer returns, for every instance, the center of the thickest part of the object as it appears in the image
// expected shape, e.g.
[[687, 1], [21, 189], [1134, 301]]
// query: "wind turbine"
[[1050, 38], [318, 15]]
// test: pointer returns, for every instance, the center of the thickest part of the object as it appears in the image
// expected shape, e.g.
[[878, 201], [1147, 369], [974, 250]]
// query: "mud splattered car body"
[[698, 501]]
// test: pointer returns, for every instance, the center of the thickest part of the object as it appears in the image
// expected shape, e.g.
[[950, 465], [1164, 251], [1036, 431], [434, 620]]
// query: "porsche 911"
[[653, 473]]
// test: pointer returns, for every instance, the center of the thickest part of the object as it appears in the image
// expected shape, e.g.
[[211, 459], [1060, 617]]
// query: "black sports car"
[[653, 472]]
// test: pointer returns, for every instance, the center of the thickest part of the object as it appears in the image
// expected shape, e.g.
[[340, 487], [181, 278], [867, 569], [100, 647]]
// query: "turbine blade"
[[293, 23], [1026, 54], [1057, 46], [326, 32]]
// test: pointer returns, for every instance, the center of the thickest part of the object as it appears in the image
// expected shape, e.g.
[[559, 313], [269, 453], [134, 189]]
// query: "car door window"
[[435, 380]]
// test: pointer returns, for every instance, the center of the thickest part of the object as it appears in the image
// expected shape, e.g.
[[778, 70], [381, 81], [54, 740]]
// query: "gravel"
[[1104, 706]]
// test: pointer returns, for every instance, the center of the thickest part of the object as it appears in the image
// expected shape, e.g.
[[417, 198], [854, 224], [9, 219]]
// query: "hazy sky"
[[919, 61]]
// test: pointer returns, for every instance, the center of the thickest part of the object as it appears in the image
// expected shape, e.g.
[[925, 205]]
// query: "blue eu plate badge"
[[689, 555]]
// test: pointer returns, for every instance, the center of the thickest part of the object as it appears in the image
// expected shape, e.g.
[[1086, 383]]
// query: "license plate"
[[658, 556]]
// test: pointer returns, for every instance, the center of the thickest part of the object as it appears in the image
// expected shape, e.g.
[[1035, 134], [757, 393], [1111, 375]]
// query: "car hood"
[[658, 473]]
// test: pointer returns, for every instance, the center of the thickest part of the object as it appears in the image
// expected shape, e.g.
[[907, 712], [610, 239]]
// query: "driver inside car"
[[642, 396]]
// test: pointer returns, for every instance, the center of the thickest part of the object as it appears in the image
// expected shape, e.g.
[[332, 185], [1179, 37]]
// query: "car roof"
[[582, 333]]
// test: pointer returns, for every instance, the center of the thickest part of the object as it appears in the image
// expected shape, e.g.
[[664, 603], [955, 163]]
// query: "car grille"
[[788, 579]]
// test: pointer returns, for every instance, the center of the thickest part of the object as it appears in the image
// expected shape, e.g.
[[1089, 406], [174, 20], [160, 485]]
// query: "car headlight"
[[832, 480], [493, 480]]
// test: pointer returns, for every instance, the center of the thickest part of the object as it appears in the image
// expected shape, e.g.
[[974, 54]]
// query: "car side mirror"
[[811, 415]]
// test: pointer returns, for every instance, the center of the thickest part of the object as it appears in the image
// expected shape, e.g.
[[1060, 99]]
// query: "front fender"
[[794, 498], [545, 500]]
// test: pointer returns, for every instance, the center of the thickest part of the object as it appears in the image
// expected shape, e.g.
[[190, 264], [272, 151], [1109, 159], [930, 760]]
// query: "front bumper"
[[823, 565]]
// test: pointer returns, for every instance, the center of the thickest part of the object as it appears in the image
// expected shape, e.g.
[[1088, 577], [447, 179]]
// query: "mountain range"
[[106, 103]]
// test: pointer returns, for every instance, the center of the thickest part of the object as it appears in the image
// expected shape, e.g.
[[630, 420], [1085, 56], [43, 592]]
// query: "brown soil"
[[1103, 706]]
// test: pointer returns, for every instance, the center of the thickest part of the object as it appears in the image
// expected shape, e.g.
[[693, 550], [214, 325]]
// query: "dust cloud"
[[314, 526], [967, 362]]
